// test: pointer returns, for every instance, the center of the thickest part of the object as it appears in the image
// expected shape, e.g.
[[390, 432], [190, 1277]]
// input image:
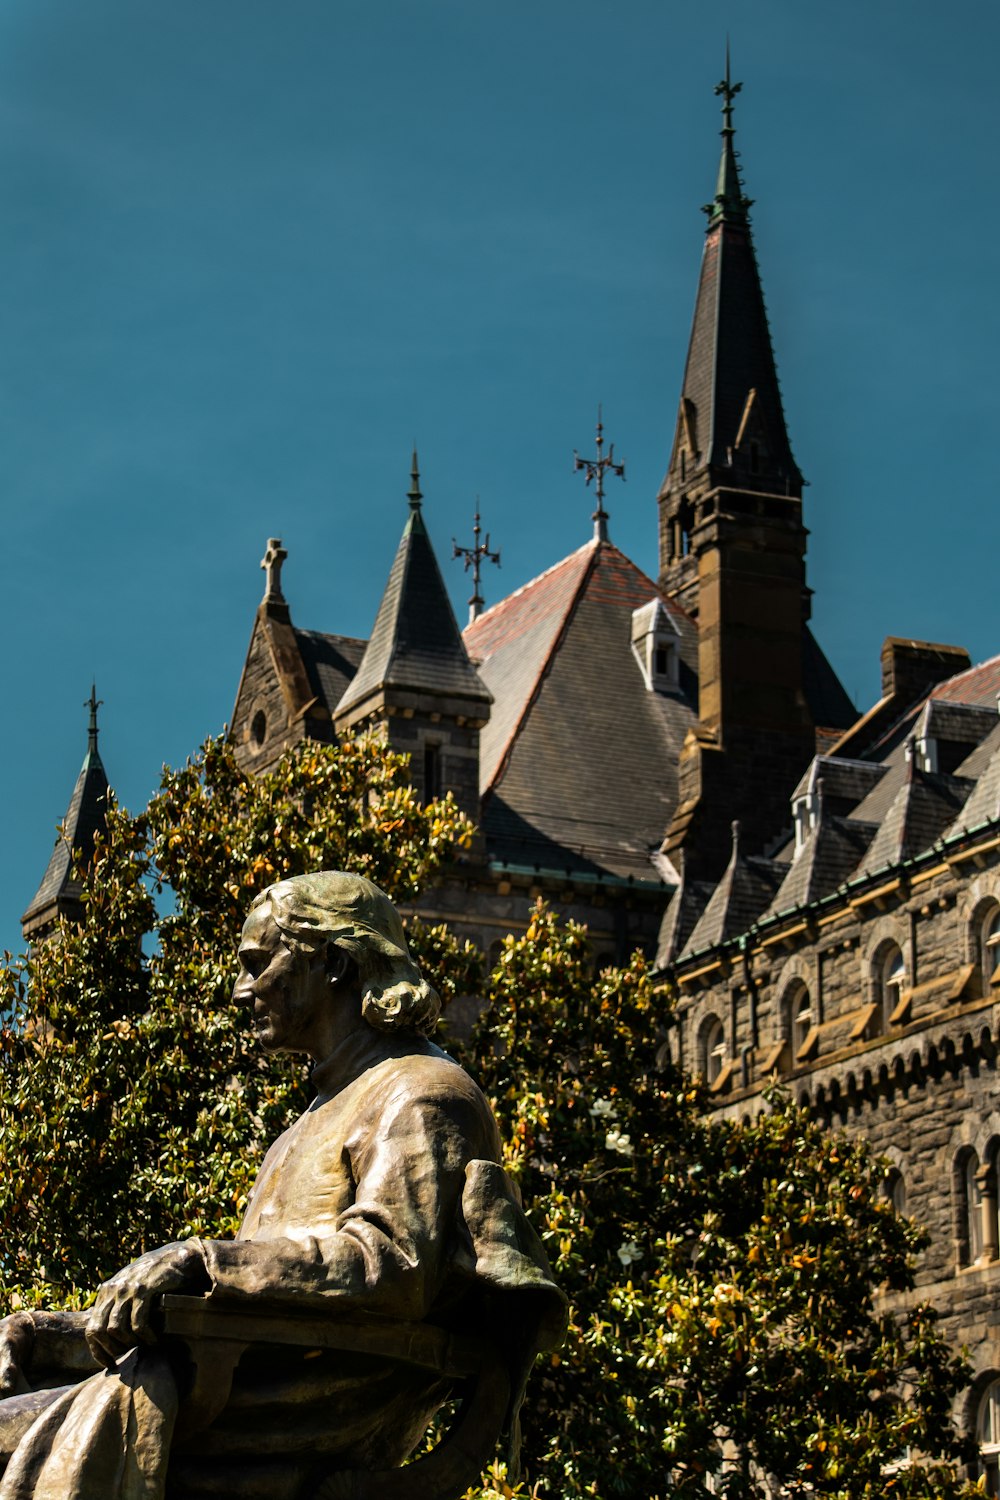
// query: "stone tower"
[[732, 553]]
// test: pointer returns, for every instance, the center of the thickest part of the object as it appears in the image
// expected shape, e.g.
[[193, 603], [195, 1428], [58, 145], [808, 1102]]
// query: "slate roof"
[[681, 917], [745, 890], [830, 852], [730, 354], [578, 763], [983, 767], [874, 813], [85, 818], [331, 662], [980, 684], [829, 705], [925, 803], [845, 782], [415, 642]]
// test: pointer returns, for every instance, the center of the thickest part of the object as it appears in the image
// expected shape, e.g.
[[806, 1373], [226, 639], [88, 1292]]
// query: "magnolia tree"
[[725, 1335], [135, 1104]]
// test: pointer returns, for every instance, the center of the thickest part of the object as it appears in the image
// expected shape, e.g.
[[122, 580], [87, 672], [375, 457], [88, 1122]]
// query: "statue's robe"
[[385, 1198]]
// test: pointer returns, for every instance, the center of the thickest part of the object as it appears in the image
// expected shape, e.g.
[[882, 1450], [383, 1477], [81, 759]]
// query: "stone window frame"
[[988, 1433], [797, 1022], [966, 1209], [886, 972], [985, 942], [713, 1050]]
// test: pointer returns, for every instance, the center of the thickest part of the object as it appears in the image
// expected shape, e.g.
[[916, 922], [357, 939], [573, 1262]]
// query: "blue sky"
[[250, 251]]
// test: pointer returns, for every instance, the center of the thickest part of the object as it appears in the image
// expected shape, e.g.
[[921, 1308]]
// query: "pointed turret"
[[731, 426], [416, 677], [59, 893]]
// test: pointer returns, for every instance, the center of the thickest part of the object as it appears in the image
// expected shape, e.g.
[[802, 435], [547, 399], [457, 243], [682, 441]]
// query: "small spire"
[[271, 563], [735, 828], [93, 703], [413, 493], [473, 556], [595, 469], [729, 205]]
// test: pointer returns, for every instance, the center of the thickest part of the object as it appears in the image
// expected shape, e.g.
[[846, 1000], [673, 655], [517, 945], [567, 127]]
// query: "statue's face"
[[288, 991]]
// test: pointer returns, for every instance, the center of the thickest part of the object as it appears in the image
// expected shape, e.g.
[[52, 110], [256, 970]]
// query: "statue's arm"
[[388, 1251], [43, 1348]]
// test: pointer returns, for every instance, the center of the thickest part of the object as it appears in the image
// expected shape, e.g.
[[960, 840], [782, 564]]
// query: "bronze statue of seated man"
[[382, 1246]]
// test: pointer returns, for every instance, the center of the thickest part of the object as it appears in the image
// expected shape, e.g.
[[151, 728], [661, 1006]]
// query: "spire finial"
[[271, 563], [413, 493], [594, 469], [735, 829], [93, 703], [729, 203], [473, 556]]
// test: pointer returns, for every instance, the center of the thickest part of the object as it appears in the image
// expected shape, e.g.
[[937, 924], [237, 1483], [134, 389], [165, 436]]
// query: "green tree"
[[725, 1330], [725, 1335], [135, 1105]]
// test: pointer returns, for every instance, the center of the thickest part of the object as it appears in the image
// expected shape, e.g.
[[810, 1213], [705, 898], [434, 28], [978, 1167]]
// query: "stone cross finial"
[[271, 563]]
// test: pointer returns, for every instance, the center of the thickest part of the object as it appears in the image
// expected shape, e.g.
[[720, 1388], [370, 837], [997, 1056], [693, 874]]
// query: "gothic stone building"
[[675, 763]]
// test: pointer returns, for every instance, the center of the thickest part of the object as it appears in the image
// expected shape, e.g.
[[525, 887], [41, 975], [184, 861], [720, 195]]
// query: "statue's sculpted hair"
[[312, 911]]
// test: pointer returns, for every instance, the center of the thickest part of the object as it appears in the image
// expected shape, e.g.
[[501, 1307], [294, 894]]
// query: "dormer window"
[[656, 646], [805, 816], [926, 753]]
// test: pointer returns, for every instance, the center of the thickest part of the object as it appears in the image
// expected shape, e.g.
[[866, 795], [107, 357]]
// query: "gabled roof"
[[983, 767], [86, 817], [415, 643], [745, 890], [830, 852], [681, 917], [923, 807], [331, 662], [578, 764]]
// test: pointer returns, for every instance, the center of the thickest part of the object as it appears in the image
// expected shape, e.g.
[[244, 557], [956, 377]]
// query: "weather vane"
[[595, 469], [473, 557], [728, 91]]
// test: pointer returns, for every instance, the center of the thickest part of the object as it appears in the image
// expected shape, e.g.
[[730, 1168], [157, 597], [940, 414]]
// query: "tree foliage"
[[135, 1104], [726, 1332]]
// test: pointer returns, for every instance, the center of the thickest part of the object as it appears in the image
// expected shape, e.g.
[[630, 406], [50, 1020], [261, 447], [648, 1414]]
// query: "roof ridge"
[[588, 546]]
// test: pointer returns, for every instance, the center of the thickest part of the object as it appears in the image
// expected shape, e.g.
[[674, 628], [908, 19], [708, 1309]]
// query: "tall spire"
[[59, 894], [730, 430]]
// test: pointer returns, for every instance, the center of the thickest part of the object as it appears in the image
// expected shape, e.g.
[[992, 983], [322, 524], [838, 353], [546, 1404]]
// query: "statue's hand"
[[120, 1318], [17, 1338]]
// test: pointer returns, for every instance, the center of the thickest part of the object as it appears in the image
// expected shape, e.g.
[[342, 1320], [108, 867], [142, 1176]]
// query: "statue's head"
[[353, 927]]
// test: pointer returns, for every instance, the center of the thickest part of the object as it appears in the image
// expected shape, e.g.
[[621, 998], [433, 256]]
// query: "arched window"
[[988, 1437], [713, 1048], [798, 1017], [989, 948], [987, 1185], [894, 1190], [973, 1216], [889, 978]]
